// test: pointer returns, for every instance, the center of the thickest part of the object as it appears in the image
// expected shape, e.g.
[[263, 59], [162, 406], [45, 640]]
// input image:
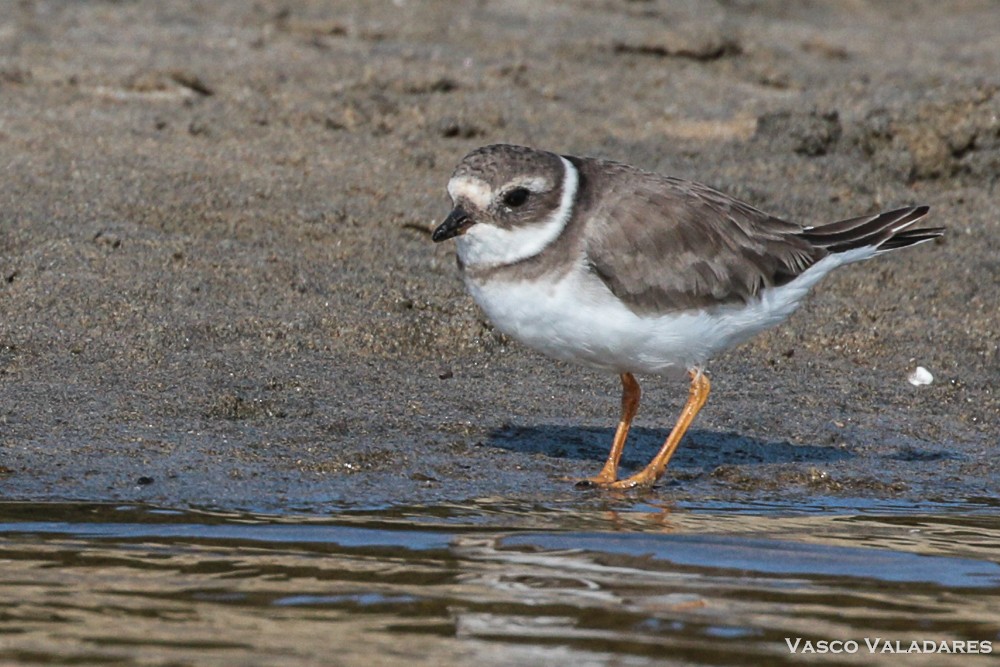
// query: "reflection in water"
[[489, 583]]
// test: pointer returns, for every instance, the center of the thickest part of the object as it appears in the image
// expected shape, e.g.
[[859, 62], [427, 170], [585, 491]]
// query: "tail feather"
[[910, 237], [883, 231], [843, 228]]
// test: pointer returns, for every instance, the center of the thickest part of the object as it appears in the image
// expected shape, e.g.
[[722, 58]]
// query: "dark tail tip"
[[883, 231]]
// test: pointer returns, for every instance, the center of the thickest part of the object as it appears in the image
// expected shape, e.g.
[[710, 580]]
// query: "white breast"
[[576, 318]]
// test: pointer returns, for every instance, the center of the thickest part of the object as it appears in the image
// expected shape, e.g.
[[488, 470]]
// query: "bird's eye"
[[516, 197]]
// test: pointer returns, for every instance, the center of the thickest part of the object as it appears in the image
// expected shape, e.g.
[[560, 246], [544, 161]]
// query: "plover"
[[630, 272]]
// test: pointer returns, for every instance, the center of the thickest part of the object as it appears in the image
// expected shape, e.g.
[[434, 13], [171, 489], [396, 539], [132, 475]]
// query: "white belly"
[[578, 319]]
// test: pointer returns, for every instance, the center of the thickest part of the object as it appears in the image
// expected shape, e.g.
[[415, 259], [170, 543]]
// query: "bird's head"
[[509, 202]]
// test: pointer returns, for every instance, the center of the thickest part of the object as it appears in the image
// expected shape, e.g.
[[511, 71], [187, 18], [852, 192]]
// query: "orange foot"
[[597, 481], [640, 480], [637, 481]]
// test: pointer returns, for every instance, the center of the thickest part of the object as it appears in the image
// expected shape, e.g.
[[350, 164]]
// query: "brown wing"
[[665, 243]]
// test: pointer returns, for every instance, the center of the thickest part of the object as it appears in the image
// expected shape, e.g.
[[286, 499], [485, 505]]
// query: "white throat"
[[487, 245]]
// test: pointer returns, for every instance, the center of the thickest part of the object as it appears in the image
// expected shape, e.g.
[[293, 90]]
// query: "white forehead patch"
[[489, 245], [472, 189]]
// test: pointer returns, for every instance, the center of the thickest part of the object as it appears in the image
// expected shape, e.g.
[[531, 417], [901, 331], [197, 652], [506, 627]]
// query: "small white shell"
[[920, 376]]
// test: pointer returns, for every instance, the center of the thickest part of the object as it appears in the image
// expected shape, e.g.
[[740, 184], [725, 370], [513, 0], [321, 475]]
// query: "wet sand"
[[217, 287]]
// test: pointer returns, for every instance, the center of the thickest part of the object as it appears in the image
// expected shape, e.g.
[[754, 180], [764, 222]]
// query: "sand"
[[217, 287]]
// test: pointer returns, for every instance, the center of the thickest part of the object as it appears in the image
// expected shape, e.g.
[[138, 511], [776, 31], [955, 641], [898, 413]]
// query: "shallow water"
[[493, 582]]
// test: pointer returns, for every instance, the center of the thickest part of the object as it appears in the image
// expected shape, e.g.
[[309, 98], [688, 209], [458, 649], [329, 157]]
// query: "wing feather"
[[665, 243]]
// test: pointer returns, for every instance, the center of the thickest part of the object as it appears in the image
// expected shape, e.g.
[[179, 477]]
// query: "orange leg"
[[630, 405], [697, 396]]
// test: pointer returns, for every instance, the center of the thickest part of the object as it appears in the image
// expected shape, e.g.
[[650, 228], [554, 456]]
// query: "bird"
[[631, 272]]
